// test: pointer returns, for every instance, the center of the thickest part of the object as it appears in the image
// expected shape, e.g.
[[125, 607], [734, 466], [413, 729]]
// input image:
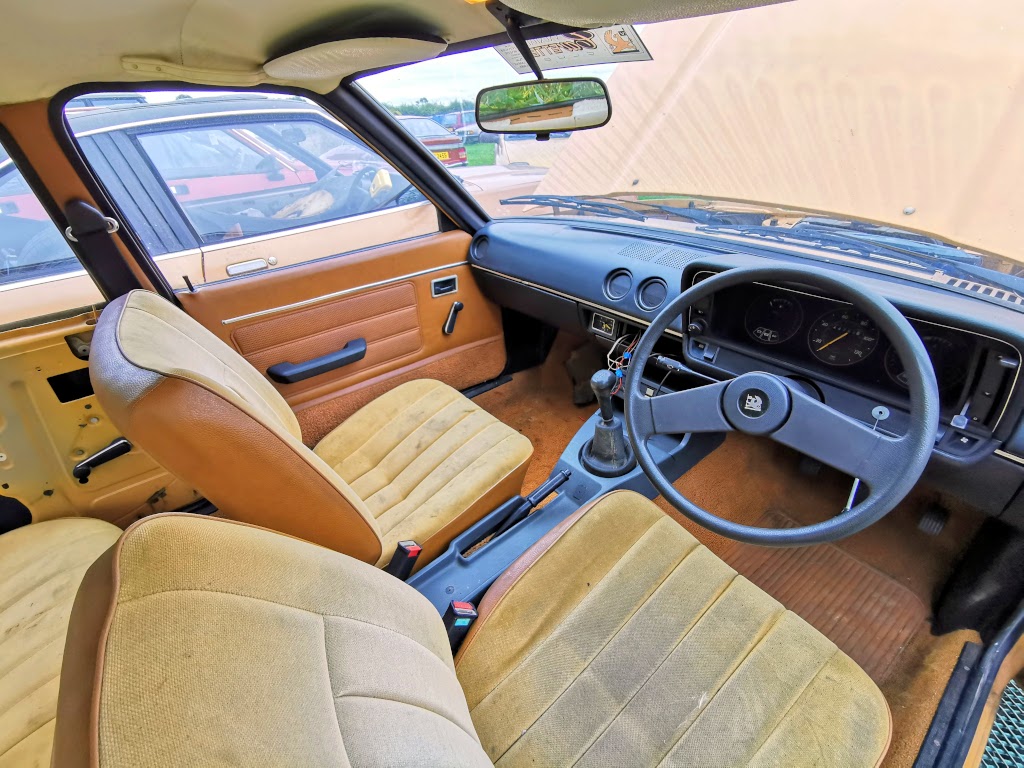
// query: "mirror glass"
[[543, 106]]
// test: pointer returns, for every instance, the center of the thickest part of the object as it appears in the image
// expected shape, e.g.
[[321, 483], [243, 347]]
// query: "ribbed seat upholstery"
[[41, 567], [420, 456], [620, 640], [421, 462], [617, 640]]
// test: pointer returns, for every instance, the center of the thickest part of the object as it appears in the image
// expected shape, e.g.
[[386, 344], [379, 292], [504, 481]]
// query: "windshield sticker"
[[607, 45]]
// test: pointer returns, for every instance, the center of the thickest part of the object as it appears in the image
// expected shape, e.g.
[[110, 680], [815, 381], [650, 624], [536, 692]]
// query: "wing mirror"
[[544, 106]]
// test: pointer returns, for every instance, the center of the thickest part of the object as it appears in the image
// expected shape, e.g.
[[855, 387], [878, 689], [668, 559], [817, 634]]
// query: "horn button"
[[756, 403]]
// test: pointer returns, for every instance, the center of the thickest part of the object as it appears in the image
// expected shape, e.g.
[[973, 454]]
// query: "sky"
[[459, 76]]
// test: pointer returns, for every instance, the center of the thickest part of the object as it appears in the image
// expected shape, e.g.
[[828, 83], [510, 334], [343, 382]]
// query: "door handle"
[[245, 267], [453, 314], [289, 373]]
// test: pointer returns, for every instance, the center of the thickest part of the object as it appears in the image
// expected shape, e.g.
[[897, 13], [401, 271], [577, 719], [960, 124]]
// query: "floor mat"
[[869, 615]]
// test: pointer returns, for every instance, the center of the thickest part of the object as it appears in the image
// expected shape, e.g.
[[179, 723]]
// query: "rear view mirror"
[[544, 106]]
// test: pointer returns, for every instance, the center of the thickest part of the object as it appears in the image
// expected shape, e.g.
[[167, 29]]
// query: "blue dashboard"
[[608, 281]]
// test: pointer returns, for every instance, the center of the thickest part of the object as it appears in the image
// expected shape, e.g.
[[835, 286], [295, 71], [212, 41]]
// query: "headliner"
[[51, 45]]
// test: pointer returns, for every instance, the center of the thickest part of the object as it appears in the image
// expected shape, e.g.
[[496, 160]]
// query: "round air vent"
[[652, 294], [479, 248], [617, 284]]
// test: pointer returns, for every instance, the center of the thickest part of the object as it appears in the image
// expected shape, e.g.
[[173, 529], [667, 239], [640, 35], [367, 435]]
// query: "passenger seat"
[[41, 567]]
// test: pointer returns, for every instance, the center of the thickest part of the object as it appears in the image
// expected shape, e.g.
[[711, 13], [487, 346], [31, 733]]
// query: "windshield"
[[422, 127], [809, 126]]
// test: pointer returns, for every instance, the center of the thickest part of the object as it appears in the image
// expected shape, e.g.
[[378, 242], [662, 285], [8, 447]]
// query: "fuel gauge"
[[773, 319]]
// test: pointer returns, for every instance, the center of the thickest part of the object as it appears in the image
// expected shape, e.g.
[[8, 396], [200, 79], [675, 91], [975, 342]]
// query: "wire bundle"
[[618, 365]]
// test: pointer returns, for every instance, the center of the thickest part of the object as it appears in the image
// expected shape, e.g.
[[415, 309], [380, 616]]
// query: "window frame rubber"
[[356, 110]]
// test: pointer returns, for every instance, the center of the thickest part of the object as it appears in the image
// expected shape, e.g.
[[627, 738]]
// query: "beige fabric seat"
[[41, 566], [615, 641], [619, 640], [421, 462]]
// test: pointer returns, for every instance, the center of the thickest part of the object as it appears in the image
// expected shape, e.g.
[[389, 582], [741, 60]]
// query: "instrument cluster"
[[816, 332]]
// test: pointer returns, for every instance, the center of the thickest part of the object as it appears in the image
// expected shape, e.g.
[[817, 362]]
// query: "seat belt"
[[92, 232]]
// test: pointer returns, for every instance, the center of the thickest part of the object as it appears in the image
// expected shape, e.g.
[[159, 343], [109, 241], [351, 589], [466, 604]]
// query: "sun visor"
[[335, 60], [599, 13]]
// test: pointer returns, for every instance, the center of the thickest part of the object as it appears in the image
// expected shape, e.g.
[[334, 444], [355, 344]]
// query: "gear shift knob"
[[603, 382]]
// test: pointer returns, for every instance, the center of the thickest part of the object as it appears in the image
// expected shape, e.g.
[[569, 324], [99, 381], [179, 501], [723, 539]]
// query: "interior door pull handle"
[[453, 314], [289, 373]]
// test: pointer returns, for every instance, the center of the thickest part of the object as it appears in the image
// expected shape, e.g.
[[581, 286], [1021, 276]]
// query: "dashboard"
[[607, 280]]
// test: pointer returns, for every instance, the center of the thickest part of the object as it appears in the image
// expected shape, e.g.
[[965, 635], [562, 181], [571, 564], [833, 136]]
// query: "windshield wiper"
[[639, 207], [581, 204], [919, 243]]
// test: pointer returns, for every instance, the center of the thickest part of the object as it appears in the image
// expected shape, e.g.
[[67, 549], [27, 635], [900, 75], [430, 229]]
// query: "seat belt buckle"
[[404, 559], [457, 620]]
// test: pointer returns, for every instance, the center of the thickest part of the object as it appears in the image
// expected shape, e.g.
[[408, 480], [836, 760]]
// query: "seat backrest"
[[196, 641], [199, 409]]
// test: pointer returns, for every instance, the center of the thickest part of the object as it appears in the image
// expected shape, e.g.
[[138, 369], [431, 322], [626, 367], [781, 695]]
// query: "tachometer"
[[773, 319], [842, 337], [949, 356]]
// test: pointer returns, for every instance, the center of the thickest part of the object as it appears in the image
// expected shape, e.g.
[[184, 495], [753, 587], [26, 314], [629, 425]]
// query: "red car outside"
[[447, 147]]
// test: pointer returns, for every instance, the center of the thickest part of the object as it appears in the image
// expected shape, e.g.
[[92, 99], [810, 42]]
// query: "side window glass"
[[237, 168], [39, 273]]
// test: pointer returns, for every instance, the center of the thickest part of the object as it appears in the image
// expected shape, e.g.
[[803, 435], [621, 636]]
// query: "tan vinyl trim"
[[577, 299], [339, 294]]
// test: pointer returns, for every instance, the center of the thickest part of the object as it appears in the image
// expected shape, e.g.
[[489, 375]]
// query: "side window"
[[237, 169], [39, 273]]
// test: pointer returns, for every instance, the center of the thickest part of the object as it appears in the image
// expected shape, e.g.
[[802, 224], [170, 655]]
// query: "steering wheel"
[[771, 406], [359, 189]]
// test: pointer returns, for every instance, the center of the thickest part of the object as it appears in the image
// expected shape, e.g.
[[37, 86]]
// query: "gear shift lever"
[[603, 382], [607, 454]]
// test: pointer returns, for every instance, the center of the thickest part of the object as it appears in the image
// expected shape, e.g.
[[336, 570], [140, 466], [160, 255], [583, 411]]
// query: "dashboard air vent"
[[985, 290], [652, 294], [618, 284], [642, 251], [993, 382]]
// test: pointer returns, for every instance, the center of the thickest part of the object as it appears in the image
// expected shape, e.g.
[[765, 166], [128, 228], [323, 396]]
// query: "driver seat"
[[615, 640]]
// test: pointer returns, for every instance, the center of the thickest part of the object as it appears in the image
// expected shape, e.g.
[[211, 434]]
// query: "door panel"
[[382, 295], [42, 438]]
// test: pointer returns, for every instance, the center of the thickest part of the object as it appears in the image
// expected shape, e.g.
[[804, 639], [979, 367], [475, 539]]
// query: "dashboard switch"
[[697, 327], [960, 444]]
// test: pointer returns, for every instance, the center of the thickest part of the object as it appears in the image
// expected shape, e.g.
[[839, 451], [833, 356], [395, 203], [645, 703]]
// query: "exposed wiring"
[[662, 382], [618, 365]]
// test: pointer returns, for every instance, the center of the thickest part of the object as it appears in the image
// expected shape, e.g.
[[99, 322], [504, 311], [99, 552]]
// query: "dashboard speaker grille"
[[679, 258], [642, 251]]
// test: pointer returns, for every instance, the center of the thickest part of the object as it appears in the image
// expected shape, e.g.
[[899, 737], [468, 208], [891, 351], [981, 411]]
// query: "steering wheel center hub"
[[756, 403]]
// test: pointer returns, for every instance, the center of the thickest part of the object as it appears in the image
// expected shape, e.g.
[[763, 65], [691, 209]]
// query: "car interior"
[[611, 479]]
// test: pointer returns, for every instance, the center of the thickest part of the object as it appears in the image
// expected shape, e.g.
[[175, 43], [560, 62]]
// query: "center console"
[[469, 567]]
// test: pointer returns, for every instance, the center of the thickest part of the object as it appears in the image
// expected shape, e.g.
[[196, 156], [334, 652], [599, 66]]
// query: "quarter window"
[[34, 256]]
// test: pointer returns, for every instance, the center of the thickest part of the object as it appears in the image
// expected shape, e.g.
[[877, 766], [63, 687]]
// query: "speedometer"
[[773, 319], [842, 337]]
